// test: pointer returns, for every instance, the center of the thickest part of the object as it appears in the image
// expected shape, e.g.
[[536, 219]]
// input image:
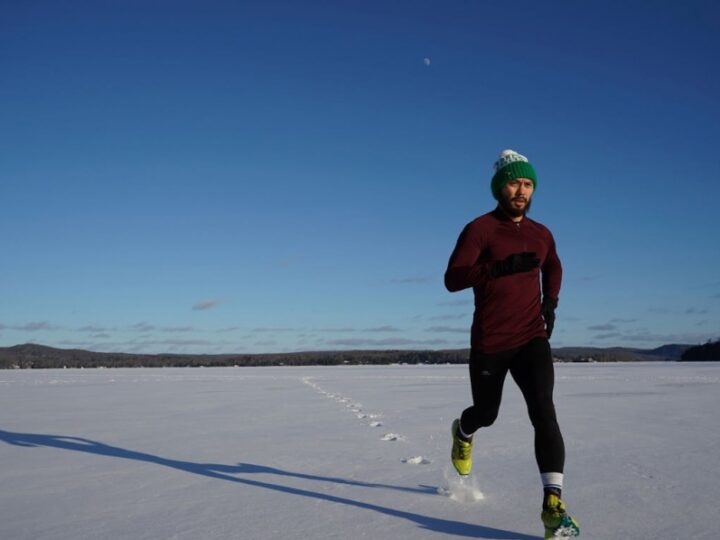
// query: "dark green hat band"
[[511, 171]]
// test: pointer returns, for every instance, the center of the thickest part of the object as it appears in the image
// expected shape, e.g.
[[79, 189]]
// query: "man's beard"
[[506, 204]]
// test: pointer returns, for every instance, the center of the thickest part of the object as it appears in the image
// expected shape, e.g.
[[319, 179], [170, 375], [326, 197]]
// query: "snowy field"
[[348, 453]]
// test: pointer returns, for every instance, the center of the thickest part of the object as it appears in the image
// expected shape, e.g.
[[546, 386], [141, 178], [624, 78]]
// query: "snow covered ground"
[[348, 453]]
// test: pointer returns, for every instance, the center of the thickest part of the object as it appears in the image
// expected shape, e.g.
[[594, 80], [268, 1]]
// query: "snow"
[[348, 453]]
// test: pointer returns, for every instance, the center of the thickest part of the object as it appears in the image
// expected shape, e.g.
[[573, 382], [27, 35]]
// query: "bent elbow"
[[451, 285]]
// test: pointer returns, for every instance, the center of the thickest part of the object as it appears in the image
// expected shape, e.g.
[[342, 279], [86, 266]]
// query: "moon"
[[427, 61]]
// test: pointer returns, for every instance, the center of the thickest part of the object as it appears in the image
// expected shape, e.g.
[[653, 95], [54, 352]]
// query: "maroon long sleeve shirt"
[[507, 308]]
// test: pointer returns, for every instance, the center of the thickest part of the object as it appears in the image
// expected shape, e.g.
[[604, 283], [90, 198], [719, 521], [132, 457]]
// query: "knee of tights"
[[544, 423], [544, 414]]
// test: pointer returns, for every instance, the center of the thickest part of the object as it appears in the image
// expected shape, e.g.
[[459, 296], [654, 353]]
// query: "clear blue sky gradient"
[[207, 177]]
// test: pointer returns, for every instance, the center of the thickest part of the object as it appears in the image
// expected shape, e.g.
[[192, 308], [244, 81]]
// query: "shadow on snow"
[[226, 472]]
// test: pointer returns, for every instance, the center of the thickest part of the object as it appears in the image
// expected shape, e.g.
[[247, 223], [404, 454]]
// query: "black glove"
[[515, 263], [548, 313]]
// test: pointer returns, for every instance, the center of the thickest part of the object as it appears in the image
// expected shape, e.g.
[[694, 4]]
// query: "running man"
[[511, 263]]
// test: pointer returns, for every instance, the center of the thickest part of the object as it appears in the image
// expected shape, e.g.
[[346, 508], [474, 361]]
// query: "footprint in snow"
[[417, 460]]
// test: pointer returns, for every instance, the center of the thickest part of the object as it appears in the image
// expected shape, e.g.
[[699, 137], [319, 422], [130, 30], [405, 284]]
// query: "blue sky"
[[207, 177]]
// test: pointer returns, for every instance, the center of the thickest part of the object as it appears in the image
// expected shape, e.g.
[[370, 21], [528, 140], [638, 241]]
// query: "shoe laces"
[[553, 506], [462, 449]]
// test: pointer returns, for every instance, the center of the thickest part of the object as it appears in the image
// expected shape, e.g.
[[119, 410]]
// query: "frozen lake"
[[348, 453]]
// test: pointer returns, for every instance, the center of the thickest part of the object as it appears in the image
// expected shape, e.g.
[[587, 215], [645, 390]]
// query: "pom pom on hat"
[[510, 166]]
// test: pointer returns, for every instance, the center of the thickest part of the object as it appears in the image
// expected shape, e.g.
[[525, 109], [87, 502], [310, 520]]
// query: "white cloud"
[[34, 326], [386, 328], [602, 327], [447, 329], [92, 328], [205, 304], [143, 327]]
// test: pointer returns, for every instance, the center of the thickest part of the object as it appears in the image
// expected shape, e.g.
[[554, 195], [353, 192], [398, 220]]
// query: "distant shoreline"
[[34, 356]]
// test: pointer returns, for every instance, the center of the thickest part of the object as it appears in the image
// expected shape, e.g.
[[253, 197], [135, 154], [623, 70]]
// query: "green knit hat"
[[510, 166]]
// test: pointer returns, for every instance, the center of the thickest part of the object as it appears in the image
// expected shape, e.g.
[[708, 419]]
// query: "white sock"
[[460, 429], [552, 480]]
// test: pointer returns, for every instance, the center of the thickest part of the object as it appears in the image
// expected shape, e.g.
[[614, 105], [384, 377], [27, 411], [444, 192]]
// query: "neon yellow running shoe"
[[461, 455], [558, 524]]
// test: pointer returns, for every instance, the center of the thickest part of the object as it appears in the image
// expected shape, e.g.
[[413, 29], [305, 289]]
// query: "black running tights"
[[531, 367]]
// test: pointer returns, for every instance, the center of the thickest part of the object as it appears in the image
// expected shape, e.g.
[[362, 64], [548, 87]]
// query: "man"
[[505, 257]]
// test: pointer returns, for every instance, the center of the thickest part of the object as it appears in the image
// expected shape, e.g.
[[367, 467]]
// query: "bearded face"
[[516, 197]]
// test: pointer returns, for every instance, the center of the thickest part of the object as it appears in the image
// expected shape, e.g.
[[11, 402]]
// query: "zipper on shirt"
[[520, 232]]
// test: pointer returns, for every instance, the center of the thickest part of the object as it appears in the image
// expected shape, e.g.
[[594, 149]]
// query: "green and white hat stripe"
[[507, 157], [510, 166]]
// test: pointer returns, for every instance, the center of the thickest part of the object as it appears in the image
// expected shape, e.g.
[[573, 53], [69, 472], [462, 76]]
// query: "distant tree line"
[[33, 356], [40, 357], [709, 352]]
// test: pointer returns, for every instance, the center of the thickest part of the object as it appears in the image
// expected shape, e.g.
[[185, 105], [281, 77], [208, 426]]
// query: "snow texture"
[[291, 453]]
